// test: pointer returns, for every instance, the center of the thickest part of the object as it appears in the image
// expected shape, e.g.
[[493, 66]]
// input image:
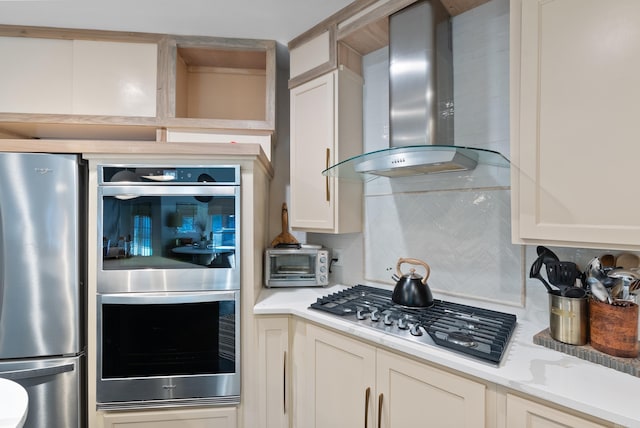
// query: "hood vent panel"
[[415, 160], [421, 112]]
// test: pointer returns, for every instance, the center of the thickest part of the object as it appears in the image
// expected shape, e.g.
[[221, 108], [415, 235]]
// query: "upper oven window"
[[168, 218], [168, 231]]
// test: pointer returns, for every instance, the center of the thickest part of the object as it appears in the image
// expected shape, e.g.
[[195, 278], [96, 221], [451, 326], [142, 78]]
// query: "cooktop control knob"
[[375, 315], [403, 324], [387, 319], [415, 330], [359, 313]]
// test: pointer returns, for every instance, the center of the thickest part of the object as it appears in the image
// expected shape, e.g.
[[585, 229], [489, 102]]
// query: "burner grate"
[[481, 333]]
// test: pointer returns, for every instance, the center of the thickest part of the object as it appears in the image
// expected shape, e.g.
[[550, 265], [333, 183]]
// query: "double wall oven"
[[168, 303]]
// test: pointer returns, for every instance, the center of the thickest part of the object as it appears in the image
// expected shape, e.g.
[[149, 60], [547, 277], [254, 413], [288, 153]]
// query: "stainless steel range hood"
[[421, 114]]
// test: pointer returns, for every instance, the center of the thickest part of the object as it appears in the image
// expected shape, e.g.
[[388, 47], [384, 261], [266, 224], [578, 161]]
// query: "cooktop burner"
[[480, 333]]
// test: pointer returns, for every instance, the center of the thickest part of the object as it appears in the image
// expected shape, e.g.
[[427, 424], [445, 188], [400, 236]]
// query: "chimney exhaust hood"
[[421, 110]]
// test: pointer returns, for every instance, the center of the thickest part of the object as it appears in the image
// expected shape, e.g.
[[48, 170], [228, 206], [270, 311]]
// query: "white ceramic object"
[[14, 403]]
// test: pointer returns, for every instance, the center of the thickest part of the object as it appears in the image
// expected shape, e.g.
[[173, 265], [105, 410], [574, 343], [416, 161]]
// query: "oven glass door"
[[294, 265], [168, 346], [175, 232]]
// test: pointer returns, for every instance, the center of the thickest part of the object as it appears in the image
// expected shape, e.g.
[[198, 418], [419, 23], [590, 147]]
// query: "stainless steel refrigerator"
[[42, 277]]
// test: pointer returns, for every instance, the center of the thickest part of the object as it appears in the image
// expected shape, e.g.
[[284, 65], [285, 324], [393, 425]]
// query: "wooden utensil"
[[608, 261], [284, 237], [627, 261]]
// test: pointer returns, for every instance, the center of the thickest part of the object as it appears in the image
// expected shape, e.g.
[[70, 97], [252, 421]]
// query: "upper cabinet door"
[[312, 148], [80, 77], [114, 78], [311, 56], [35, 76], [326, 128], [575, 146]]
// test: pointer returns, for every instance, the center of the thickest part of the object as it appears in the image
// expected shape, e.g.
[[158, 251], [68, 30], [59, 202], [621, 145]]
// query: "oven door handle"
[[132, 191], [159, 298]]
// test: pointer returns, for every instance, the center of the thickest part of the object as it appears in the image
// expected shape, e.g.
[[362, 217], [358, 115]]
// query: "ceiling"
[[279, 20]]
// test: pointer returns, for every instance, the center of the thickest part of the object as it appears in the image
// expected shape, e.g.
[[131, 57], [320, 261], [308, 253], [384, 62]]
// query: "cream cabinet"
[[36, 75], [92, 84], [273, 364], [114, 78], [525, 413], [574, 69], [326, 128], [79, 77], [412, 394], [311, 55], [223, 417], [339, 381], [349, 383]]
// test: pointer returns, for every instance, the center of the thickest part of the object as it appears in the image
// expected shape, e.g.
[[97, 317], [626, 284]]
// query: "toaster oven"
[[296, 267]]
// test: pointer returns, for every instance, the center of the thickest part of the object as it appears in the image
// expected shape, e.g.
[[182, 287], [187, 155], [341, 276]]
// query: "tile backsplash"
[[464, 235]]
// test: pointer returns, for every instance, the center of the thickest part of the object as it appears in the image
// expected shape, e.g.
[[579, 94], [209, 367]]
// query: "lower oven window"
[[144, 340]]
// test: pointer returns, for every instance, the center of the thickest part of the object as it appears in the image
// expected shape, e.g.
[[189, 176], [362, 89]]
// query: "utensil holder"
[[569, 319], [614, 328]]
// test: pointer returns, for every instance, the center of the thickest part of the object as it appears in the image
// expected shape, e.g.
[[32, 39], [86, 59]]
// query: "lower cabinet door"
[[223, 417], [273, 371], [340, 381], [411, 394], [530, 414]]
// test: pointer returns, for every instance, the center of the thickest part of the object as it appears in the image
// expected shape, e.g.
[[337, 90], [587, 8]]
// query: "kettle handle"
[[415, 262]]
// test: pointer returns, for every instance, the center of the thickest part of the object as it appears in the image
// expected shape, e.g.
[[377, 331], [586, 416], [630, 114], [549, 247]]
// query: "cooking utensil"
[[574, 292], [534, 272], [563, 273], [284, 237], [594, 270], [411, 289], [547, 254], [598, 290], [617, 290], [607, 261], [627, 277], [627, 261]]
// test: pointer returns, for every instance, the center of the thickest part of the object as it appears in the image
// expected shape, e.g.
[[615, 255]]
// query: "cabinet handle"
[[326, 179], [367, 394], [380, 410], [284, 383]]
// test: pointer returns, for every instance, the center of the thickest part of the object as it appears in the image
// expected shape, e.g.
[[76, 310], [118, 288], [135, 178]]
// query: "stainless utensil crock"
[[569, 319]]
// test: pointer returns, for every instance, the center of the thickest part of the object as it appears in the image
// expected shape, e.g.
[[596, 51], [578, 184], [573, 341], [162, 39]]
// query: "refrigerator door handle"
[[39, 372]]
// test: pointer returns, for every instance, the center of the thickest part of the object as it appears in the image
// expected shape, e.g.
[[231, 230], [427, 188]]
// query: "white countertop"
[[14, 402], [531, 369]]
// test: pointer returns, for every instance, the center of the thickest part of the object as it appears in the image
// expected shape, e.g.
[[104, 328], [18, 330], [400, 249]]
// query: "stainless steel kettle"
[[412, 289]]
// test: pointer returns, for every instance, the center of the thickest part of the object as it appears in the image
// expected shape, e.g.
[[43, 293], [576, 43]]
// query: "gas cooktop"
[[480, 333]]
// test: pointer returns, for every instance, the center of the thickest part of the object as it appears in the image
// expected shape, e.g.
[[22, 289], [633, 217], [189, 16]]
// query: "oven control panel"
[[176, 175]]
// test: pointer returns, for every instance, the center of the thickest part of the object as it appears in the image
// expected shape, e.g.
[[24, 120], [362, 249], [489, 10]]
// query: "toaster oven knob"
[[323, 278], [323, 269], [323, 259]]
